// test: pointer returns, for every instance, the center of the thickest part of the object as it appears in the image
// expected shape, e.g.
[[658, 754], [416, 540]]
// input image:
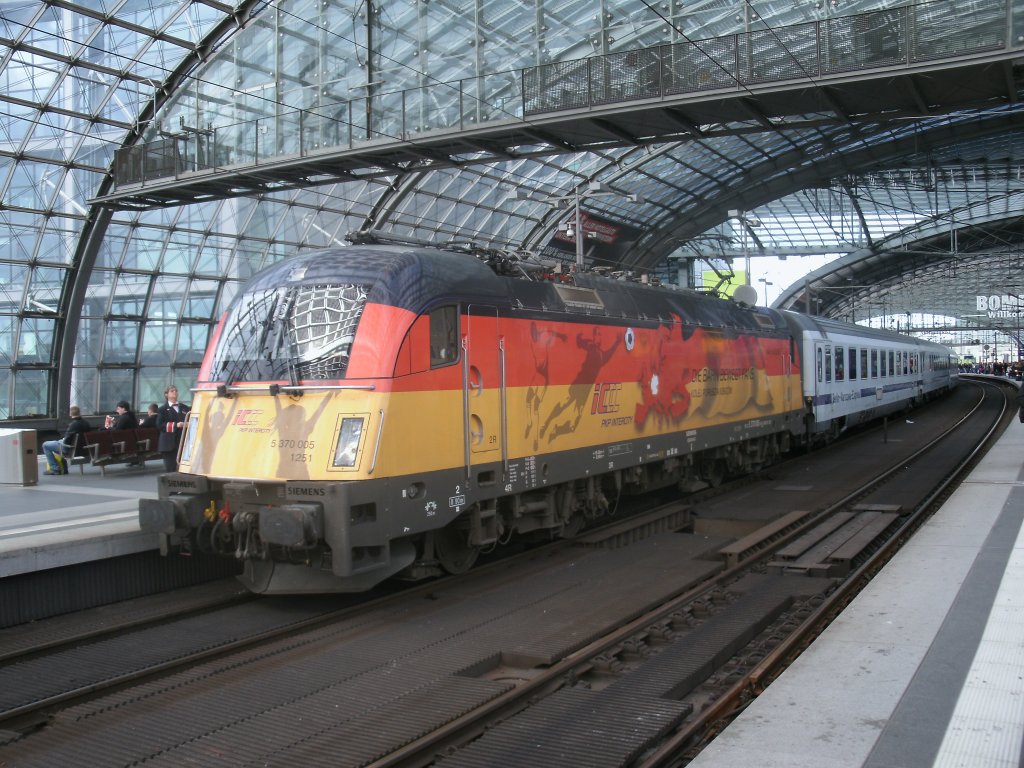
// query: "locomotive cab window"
[[292, 332], [432, 342], [444, 336]]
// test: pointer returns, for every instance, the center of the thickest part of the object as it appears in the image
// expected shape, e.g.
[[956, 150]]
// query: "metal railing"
[[906, 35]]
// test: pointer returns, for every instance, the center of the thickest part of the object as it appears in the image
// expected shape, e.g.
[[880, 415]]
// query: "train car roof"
[[827, 326]]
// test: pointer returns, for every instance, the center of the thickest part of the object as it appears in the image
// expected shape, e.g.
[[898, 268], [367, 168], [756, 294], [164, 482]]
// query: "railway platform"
[[926, 666], [74, 518], [72, 542]]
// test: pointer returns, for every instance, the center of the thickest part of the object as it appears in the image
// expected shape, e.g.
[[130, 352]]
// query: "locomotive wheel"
[[714, 472], [572, 528], [453, 550]]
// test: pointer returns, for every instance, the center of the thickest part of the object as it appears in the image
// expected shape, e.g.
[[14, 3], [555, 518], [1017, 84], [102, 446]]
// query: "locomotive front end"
[[278, 464]]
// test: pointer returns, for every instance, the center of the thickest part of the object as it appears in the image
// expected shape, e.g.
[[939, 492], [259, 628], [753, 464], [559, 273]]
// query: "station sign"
[[1000, 305]]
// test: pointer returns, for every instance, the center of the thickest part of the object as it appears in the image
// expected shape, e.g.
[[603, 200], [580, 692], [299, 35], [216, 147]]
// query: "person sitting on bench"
[[56, 464]]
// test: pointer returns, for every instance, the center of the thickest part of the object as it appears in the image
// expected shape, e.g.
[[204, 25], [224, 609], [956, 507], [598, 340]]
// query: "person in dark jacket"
[[122, 418], [170, 420], [151, 417], [54, 449]]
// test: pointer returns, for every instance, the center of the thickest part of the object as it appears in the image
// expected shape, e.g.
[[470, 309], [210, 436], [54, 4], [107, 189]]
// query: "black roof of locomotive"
[[418, 278], [396, 276]]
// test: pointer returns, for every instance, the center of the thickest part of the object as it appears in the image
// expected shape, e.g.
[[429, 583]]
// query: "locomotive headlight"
[[349, 434]]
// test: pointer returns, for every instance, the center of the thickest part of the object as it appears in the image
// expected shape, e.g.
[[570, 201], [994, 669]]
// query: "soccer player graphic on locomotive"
[[543, 339], [582, 385], [731, 376]]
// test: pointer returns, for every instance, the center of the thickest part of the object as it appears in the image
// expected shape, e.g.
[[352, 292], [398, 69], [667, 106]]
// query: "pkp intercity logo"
[[247, 417], [606, 398]]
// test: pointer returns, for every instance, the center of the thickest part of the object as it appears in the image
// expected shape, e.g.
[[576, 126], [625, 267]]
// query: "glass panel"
[[192, 339], [45, 289], [115, 384], [158, 343], [13, 278], [202, 299], [130, 294], [7, 326], [83, 391], [6, 379], [152, 383], [120, 342], [31, 393], [88, 343], [35, 342]]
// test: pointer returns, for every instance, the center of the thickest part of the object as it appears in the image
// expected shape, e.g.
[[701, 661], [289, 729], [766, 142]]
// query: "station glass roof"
[[102, 304]]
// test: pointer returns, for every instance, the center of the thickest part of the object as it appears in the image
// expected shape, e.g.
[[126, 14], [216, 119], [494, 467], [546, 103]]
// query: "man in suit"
[[54, 449], [170, 420]]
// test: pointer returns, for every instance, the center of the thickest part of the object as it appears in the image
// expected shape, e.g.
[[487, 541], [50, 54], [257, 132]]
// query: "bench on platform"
[[73, 452], [120, 446]]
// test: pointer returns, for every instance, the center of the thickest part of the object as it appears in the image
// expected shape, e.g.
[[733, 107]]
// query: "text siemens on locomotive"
[[378, 409]]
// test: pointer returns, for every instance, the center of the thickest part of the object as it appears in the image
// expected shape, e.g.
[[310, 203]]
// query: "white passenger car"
[[853, 374]]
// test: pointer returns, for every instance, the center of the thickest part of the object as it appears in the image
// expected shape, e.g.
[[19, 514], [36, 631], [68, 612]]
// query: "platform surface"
[[926, 666], [74, 518]]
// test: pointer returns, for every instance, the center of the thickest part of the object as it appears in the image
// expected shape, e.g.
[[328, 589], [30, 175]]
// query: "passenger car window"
[[840, 364]]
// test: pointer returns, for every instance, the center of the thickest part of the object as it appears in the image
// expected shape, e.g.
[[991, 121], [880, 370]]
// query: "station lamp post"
[[766, 284], [575, 228], [745, 223]]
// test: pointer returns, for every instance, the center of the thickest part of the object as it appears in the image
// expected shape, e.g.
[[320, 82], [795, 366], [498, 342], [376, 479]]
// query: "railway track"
[[719, 663], [939, 478], [79, 656], [507, 645]]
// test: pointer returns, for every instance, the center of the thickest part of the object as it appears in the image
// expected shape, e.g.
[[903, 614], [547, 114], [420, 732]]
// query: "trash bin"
[[19, 457]]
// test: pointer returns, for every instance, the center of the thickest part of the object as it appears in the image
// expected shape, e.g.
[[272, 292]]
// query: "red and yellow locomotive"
[[377, 410]]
